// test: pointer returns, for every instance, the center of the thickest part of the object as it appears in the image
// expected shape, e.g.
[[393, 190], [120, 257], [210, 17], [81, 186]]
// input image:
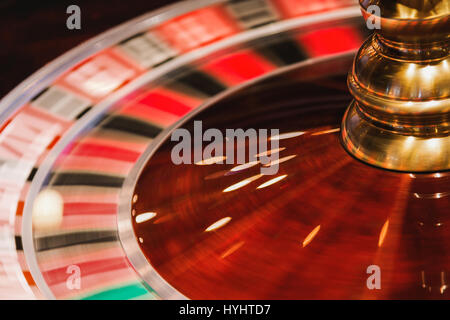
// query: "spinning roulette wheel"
[[94, 207]]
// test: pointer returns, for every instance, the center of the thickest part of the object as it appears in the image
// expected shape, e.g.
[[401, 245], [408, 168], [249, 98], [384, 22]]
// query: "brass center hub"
[[400, 118]]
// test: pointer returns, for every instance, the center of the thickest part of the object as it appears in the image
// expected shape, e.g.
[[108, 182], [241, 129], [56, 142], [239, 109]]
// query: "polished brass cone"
[[400, 118]]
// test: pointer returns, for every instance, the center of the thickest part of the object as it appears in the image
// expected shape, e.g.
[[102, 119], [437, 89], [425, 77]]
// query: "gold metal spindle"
[[400, 80]]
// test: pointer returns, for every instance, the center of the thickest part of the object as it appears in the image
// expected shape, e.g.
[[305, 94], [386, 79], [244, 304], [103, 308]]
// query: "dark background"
[[33, 33]]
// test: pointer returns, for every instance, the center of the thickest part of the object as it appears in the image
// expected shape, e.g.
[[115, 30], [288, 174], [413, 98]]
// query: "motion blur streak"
[[288, 135], [383, 233], [272, 181], [218, 224], [311, 236], [242, 183], [268, 153], [326, 132], [213, 160], [244, 166], [284, 159], [145, 217], [232, 249]]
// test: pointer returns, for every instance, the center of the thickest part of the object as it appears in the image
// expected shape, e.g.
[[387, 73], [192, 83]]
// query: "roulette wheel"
[[93, 205]]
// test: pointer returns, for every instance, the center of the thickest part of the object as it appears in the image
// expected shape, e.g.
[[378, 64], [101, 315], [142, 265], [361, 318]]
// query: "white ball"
[[48, 210]]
